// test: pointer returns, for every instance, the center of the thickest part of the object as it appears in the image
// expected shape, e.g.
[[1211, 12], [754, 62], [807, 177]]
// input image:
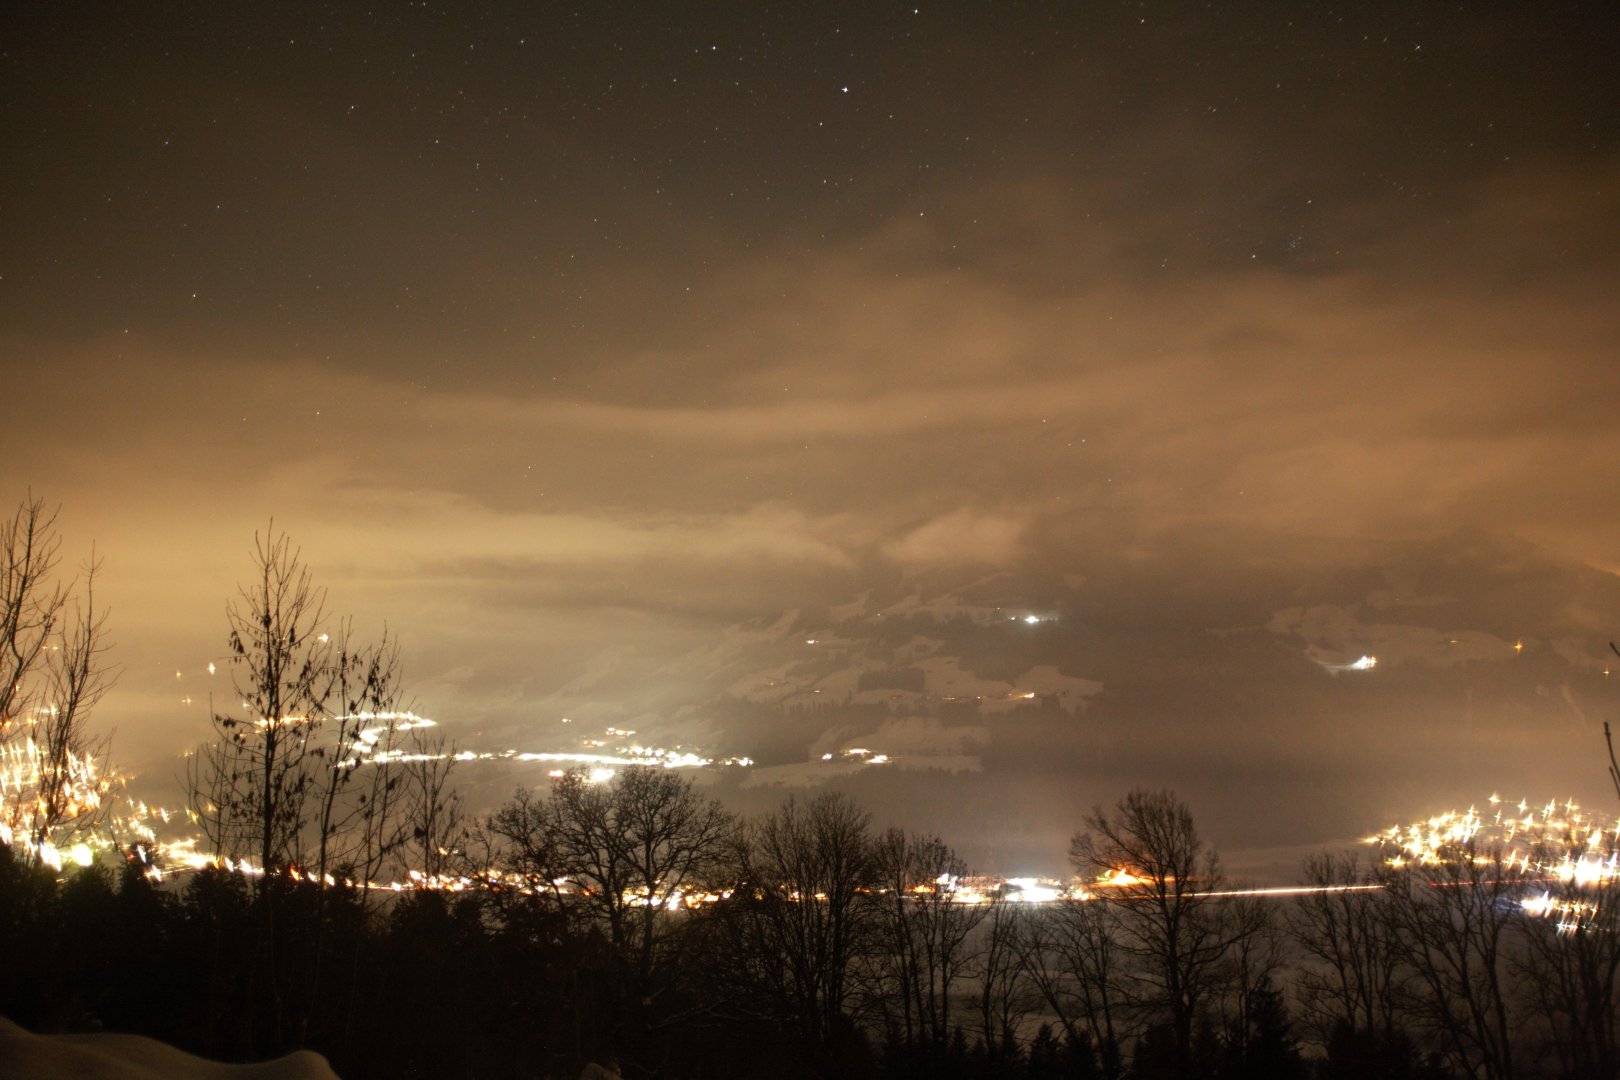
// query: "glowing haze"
[[1170, 367]]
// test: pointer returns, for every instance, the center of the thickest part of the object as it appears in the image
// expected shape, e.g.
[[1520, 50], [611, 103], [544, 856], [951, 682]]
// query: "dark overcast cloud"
[[1242, 339]]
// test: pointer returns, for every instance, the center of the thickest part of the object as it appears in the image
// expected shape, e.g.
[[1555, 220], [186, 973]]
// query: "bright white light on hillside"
[[1029, 890], [1366, 663]]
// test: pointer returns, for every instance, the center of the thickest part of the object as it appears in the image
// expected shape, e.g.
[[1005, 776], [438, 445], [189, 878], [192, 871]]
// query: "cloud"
[[961, 538], [1067, 392]]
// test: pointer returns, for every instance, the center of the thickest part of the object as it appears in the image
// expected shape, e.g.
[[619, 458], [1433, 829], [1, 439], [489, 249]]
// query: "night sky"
[[609, 354]]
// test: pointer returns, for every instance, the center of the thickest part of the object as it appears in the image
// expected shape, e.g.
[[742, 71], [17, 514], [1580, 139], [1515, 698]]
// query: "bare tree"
[[437, 830], [1453, 918], [1071, 953], [310, 776], [355, 829], [280, 784], [1251, 1009], [1568, 970], [517, 842], [1003, 996], [53, 662], [631, 850], [1352, 979], [1177, 936], [807, 871], [925, 936], [387, 810], [31, 600], [258, 776]]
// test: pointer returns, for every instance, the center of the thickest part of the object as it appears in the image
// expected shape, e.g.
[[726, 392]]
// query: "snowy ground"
[[134, 1057]]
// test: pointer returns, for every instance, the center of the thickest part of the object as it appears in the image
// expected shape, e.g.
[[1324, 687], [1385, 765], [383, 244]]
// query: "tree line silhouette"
[[640, 919], [822, 946]]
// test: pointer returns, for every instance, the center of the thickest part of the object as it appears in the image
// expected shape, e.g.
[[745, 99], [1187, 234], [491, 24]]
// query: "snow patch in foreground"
[[135, 1057]]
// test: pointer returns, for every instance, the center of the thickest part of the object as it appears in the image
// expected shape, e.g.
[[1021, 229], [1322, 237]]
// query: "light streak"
[[627, 758], [621, 756], [1293, 890]]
